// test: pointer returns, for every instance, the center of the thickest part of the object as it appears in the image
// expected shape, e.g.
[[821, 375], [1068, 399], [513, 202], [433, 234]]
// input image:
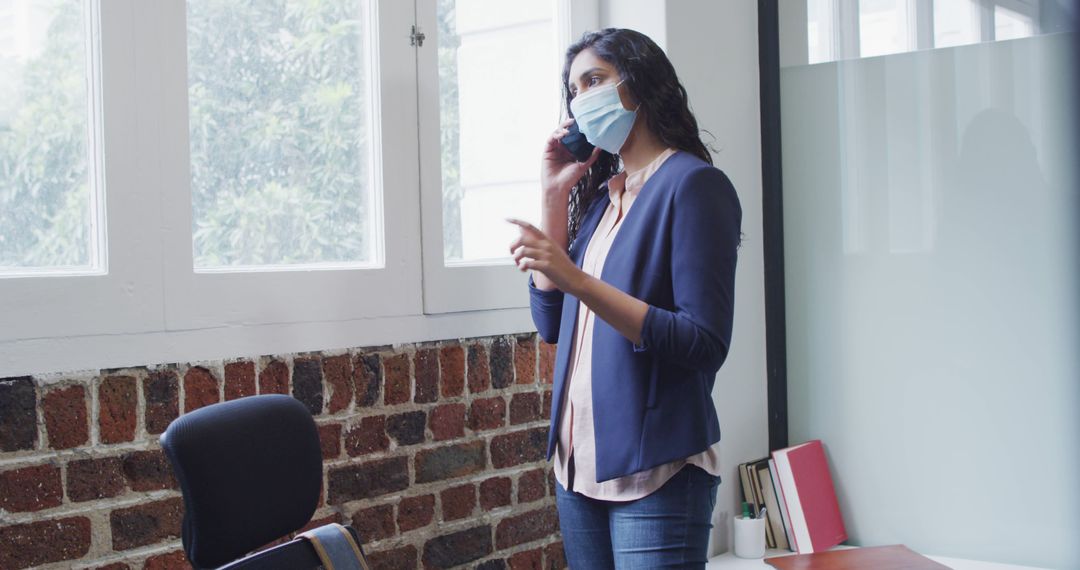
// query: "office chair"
[[251, 472]]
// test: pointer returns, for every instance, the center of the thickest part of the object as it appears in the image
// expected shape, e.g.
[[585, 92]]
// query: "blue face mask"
[[601, 117]]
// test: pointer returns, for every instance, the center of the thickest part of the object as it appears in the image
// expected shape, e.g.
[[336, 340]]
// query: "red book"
[[808, 493]]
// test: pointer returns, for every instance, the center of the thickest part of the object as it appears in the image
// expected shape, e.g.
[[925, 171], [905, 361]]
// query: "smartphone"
[[576, 144]]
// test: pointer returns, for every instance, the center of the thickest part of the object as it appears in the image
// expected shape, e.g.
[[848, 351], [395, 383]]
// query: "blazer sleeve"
[[705, 230], [546, 308]]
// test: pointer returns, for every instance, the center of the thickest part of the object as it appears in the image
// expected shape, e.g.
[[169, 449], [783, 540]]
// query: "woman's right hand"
[[559, 171]]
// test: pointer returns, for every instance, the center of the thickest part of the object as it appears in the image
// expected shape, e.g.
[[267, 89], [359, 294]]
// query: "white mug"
[[749, 537]]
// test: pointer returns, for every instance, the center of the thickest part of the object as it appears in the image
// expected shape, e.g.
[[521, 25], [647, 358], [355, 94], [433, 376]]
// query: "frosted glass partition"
[[932, 284]]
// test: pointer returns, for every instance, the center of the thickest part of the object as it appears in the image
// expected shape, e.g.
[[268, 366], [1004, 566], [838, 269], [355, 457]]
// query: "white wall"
[[714, 46]]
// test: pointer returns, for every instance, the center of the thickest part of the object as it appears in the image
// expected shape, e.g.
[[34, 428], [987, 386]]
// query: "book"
[[747, 491], [807, 491], [772, 506], [785, 519], [894, 557], [759, 497]]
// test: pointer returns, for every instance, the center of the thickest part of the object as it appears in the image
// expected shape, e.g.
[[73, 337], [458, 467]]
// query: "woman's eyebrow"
[[590, 71]]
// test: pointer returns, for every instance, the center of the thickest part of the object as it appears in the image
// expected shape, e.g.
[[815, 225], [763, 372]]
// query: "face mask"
[[600, 116]]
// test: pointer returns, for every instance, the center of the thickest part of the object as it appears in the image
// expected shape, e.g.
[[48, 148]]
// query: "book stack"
[[795, 489]]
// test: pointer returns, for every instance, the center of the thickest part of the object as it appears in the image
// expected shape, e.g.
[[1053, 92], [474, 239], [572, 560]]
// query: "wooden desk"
[[728, 561]]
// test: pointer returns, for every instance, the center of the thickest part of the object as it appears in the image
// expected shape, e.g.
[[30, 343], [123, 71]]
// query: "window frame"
[[153, 306], [483, 285], [197, 298]]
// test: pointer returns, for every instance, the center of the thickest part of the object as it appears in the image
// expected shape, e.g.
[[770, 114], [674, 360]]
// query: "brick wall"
[[434, 452]]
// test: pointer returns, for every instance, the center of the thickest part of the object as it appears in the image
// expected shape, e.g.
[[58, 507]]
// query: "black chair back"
[[251, 472]]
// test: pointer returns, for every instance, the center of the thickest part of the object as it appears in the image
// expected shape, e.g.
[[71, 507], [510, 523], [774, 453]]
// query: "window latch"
[[416, 38]]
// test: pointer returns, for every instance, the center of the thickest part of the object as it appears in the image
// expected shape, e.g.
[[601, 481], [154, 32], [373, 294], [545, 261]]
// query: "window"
[[260, 168], [886, 26], [490, 94], [280, 118], [50, 214], [498, 100], [849, 29]]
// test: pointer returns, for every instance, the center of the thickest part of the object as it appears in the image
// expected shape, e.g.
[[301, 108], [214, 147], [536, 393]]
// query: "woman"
[[633, 275]]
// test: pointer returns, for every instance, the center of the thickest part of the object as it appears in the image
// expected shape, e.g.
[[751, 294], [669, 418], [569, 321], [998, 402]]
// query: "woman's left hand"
[[534, 250]]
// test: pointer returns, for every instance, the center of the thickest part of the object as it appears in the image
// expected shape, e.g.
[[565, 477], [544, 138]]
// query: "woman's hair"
[[649, 75]]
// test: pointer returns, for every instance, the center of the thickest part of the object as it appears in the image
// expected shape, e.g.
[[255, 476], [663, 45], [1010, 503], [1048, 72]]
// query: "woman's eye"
[[594, 80]]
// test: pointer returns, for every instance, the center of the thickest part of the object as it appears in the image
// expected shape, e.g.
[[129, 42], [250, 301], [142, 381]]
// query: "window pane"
[[281, 130], [956, 23], [819, 30], [1011, 25], [885, 27], [47, 185], [498, 100]]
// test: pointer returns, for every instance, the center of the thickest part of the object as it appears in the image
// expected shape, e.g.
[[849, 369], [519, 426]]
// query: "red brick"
[[495, 493], [148, 471], [398, 387], [175, 560], [114, 566], [337, 372], [274, 378], [374, 523], [545, 408], [479, 375], [161, 392], [551, 481], [393, 559], [18, 414], [458, 502], [367, 480], [44, 542], [447, 421], [524, 408], [525, 359], [450, 461], [415, 512], [452, 368], [307, 383], [487, 413], [426, 371], [532, 486], [200, 389], [554, 557], [502, 362], [547, 362], [65, 417], [527, 560], [330, 440], [90, 479], [31, 488], [239, 379], [367, 379], [526, 527], [457, 548], [368, 436], [407, 428], [146, 523], [519, 447], [117, 401]]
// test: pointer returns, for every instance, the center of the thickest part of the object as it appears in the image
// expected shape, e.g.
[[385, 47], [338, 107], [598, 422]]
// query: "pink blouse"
[[576, 424]]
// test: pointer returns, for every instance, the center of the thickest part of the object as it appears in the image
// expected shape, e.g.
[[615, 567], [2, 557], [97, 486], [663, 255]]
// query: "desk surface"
[[728, 561]]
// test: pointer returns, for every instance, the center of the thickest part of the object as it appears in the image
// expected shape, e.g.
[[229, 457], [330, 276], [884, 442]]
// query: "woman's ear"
[[629, 102]]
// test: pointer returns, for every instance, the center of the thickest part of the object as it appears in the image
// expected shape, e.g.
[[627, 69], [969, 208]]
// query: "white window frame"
[[483, 285], [200, 299], [152, 306], [122, 295]]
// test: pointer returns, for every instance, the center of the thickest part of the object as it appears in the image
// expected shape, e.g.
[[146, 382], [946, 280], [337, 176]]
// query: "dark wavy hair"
[[651, 78]]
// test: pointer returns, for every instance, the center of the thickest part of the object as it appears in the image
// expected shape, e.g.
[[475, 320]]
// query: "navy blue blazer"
[[676, 251]]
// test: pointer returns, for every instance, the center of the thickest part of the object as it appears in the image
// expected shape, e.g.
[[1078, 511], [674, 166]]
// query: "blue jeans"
[[667, 529]]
